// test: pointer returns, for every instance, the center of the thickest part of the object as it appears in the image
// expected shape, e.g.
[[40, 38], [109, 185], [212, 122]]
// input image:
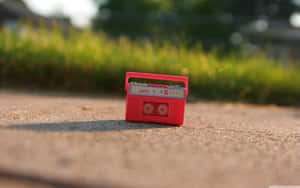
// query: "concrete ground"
[[54, 140]]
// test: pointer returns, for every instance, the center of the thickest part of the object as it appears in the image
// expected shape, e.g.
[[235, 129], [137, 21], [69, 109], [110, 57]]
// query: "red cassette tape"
[[155, 103]]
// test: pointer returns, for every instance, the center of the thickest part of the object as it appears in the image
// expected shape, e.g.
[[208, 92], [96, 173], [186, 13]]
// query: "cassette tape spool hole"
[[163, 109], [148, 109]]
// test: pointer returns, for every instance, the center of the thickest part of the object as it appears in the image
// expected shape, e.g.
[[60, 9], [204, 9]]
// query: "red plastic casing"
[[135, 103]]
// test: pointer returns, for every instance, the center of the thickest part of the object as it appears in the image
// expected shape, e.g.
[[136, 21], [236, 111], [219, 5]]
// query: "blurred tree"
[[193, 19], [211, 21], [21, 2], [196, 6], [273, 9], [130, 17]]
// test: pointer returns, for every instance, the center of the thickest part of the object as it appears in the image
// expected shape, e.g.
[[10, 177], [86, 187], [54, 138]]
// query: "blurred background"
[[230, 23], [231, 50]]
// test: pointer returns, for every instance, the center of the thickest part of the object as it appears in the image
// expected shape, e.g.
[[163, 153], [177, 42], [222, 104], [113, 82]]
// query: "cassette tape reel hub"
[[148, 108], [163, 109]]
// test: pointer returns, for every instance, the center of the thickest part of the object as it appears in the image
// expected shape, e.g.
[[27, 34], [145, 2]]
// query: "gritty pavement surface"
[[54, 140]]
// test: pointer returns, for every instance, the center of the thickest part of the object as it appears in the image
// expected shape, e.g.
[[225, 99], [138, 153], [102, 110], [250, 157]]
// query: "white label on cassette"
[[157, 91]]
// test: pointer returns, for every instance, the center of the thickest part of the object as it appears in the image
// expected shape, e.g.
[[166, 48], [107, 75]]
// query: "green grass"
[[92, 62]]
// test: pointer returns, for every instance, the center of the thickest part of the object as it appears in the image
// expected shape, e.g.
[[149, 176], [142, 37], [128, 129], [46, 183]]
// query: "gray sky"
[[80, 11]]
